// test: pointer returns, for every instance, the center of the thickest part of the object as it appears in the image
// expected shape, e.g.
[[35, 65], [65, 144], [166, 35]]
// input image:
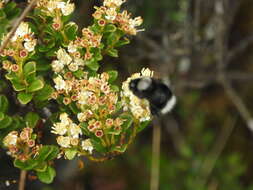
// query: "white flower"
[[81, 117], [146, 72], [57, 66], [137, 21], [21, 31], [63, 141], [79, 62], [60, 84], [112, 3], [30, 45], [59, 129], [138, 107], [74, 130], [66, 8], [83, 97], [111, 14], [11, 139], [63, 56], [64, 118], [87, 145], [72, 48], [73, 67], [51, 5]]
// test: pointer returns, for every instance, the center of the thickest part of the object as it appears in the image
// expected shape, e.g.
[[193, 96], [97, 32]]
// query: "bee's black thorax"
[[157, 93]]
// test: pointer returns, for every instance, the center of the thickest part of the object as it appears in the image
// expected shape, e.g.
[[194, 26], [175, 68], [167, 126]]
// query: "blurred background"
[[204, 49]]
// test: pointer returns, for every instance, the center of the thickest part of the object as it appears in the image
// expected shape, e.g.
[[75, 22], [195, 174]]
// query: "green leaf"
[[79, 74], [4, 104], [51, 52], [9, 7], [112, 52], [11, 76], [98, 56], [70, 153], [15, 125], [49, 30], [30, 78], [110, 28], [36, 85], [112, 131], [92, 64], [84, 129], [2, 14], [142, 126], [53, 154], [46, 47], [29, 68], [47, 152], [71, 30], [31, 119], [27, 165], [122, 42], [17, 85], [47, 176], [128, 120], [44, 93], [6, 122], [114, 88], [112, 38], [1, 116], [43, 65], [120, 149], [98, 146], [113, 76], [13, 13], [41, 167], [24, 98], [74, 108]]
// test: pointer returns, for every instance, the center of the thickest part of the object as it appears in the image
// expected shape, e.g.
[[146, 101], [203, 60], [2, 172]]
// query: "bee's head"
[[140, 86]]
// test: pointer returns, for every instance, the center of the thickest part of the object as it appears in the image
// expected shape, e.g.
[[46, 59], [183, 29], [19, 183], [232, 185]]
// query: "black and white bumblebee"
[[160, 97]]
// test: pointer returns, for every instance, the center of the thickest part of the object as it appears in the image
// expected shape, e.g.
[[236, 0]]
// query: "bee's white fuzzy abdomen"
[[170, 104]]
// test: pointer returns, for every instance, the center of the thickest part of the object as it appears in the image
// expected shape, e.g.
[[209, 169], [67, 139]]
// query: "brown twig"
[[16, 24], [237, 101], [22, 180], [244, 44], [222, 55], [212, 157], [155, 167]]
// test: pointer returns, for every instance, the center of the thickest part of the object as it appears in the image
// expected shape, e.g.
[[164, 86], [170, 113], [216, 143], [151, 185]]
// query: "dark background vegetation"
[[204, 48]]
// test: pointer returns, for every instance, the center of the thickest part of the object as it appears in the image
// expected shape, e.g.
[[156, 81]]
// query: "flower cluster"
[[94, 92], [138, 107], [70, 134], [97, 101], [113, 3], [91, 117], [109, 13], [88, 40], [55, 7], [22, 43], [70, 61], [22, 145]]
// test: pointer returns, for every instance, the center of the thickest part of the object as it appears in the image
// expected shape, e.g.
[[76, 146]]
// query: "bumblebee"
[[160, 97]]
